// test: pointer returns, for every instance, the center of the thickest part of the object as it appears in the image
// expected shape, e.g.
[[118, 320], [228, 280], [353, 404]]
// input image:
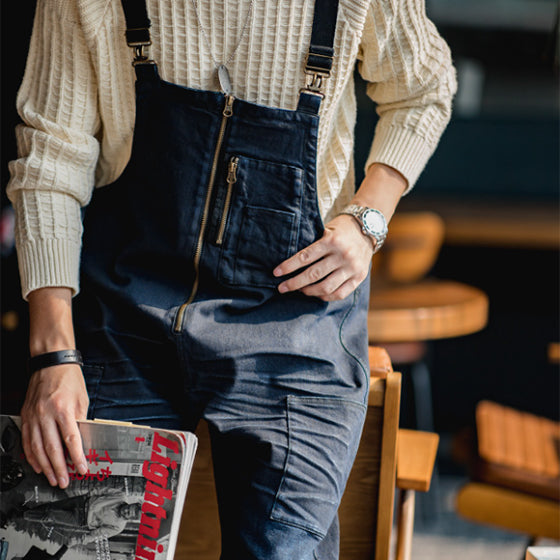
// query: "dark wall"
[[16, 19]]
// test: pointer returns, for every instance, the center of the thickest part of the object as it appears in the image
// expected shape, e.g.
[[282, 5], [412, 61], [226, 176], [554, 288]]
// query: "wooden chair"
[[411, 250], [554, 352], [516, 473], [386, 456]]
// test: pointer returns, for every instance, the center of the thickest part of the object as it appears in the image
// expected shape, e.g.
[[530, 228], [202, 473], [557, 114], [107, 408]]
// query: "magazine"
[[126, 507]]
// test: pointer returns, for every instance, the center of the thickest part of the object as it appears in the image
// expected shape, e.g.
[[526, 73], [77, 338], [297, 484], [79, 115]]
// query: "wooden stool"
[[427, 310], [404, 317], [517, 472]]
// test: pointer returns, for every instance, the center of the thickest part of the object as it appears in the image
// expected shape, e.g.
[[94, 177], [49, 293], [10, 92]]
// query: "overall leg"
[[289, 389]]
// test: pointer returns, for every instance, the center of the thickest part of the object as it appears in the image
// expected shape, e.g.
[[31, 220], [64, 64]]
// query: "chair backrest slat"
[[388, 468]]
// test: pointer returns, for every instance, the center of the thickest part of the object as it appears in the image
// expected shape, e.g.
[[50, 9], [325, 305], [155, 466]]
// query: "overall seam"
[[284, 475], [345, 348]]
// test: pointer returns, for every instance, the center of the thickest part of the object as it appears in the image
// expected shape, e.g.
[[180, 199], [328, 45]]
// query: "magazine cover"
[[126, 507]]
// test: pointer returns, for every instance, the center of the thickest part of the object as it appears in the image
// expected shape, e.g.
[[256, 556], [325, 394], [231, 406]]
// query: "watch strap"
[[358, 211], [354, 210]]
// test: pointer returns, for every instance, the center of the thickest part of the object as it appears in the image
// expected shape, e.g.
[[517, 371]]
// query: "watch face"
[[374, 222]]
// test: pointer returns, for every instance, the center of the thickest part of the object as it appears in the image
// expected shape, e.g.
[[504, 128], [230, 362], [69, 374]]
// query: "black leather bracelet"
[[54, 359]]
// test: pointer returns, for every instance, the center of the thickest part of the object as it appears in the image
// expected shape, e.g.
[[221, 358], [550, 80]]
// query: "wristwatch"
[[372, 221]]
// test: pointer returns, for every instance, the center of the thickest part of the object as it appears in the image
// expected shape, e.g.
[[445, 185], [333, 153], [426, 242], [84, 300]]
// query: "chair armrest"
[[416, 455]]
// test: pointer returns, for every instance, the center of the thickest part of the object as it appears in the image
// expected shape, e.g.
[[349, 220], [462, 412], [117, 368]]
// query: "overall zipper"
[[226, 114], [231, 180]]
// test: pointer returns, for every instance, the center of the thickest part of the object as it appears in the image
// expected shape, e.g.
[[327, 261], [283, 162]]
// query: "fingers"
[[72, 439], [343, 291], [303, 258], [55, 400], [35, 439], [332, 267], [26, 443], [48, 449], [43, 445], [337, 285], [316, 272], [326, 289]]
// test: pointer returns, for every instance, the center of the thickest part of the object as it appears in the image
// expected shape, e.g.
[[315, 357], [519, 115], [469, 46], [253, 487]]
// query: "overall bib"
[[179, 317]]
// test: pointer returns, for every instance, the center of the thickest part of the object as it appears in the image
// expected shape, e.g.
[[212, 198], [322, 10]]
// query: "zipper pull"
[[232, 170], [228, 109], [231, 179]]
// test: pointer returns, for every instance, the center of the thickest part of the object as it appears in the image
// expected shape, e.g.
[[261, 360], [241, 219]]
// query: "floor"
[[439, 534]]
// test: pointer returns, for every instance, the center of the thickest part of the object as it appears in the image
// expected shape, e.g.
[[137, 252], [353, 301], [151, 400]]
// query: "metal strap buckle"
[[140, 57], [317, 75], [315, 84]]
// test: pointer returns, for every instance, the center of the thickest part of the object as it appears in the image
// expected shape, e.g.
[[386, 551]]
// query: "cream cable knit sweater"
[[77, 99]]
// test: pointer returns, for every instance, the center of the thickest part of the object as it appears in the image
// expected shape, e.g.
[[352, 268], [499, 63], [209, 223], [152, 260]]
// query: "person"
[[79, 520], [224, 258]]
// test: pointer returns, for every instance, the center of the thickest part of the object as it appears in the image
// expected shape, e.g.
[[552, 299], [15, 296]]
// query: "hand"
[[56, 398], [333, 266]]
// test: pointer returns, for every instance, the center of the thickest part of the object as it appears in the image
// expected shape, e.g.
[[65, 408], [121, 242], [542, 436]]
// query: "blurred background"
[[497, 161], [494, 180]]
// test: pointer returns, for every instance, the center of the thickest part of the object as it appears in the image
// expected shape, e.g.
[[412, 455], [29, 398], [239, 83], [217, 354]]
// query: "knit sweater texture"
[[77, 101]]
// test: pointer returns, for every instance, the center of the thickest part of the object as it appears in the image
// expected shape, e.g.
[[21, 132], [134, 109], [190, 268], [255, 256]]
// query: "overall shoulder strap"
[[137, 22], [319, 60], [321, 51], [138, 33]]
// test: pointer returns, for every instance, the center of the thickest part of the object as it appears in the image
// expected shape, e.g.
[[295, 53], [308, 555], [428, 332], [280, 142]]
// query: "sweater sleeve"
[[53, 175], [412, 80]]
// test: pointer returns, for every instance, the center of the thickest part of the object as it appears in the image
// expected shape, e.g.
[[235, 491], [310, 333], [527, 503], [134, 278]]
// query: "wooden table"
[[403, 318], [503, 222], [428, 310]]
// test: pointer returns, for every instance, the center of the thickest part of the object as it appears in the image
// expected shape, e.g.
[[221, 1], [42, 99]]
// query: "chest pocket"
[[260, 213]]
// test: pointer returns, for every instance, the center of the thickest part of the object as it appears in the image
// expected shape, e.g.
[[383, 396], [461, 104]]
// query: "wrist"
[[38, 347], [382, 188], [50, 321], [53, 336], [50, 359]]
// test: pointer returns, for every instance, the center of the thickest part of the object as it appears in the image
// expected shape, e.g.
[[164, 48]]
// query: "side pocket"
[[324, 434]]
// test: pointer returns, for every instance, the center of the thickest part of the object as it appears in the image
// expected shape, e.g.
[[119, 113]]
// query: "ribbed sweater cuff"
[[48, 263], [401, 149]]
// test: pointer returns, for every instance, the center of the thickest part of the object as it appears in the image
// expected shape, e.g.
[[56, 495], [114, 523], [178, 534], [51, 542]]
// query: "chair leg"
[[422, 388], [531, 542], [405, 524], [420, 377]]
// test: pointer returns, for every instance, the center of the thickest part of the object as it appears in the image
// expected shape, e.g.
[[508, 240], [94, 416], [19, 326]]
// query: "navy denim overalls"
[[179, 317]]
